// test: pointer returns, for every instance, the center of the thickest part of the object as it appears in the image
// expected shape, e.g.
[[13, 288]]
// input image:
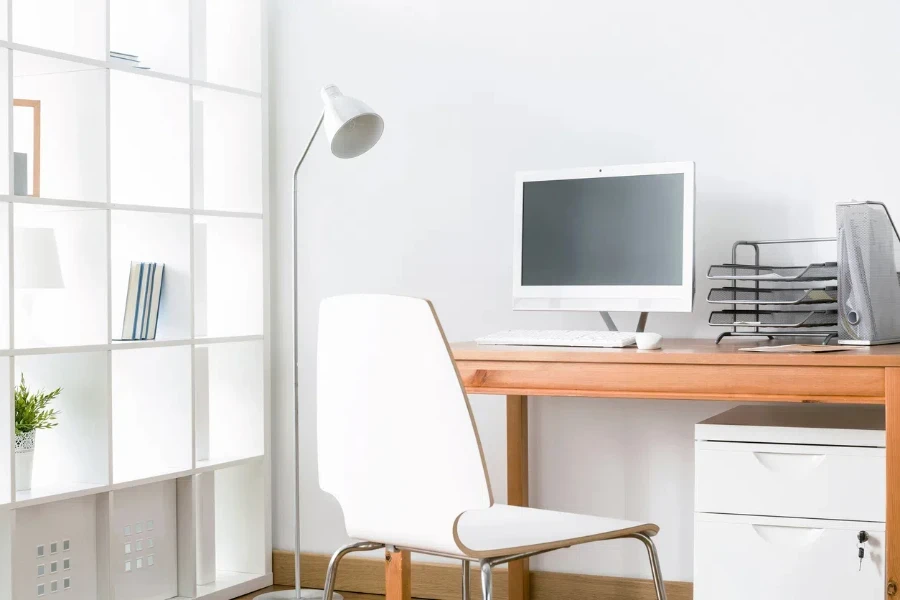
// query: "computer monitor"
[[605, 239]]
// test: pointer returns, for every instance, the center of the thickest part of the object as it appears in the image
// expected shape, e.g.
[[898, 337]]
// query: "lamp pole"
[[352, 128]]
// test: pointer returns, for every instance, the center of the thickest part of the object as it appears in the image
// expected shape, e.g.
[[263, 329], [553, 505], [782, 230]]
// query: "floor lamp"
[[352, 129]]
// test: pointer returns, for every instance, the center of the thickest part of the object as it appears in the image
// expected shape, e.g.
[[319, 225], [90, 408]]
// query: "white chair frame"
[[447, 510], [485, 566]]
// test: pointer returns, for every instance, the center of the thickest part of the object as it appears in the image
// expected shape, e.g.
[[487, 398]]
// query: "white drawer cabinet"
[[815, 482], [781, 494], [751, 558]]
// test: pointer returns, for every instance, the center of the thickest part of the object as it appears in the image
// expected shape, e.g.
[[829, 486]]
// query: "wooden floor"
[[346, 595]]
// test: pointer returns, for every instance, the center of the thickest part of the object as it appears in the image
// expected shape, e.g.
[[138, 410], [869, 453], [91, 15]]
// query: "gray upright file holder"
[[868, 282]]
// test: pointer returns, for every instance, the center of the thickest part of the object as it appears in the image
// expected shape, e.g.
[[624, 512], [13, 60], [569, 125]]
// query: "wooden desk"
[[683, 369]]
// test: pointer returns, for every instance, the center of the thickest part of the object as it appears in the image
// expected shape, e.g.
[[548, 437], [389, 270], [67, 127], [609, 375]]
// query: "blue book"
[[142, 301]]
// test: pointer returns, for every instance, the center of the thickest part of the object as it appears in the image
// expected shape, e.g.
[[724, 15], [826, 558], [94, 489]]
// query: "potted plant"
[[33, 412]]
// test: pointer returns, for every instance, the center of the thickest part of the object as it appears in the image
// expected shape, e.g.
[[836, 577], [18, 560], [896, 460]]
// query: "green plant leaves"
[[33, 410]]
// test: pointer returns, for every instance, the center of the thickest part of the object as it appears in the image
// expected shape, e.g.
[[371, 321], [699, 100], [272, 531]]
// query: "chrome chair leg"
[[331, 574], [658, 582], [465, 580], [487, 580]]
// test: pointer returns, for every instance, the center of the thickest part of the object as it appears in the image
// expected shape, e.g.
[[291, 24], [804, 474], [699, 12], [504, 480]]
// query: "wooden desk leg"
[[517, 481], [397, 575], [892, 527]]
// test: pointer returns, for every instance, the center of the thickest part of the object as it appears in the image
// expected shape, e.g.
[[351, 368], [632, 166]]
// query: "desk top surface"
[[682, 351]]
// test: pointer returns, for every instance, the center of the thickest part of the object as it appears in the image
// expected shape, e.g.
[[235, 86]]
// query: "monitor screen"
[[603, 231]]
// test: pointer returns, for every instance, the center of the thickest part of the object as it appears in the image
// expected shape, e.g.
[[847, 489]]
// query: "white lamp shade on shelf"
[[37, 259], [352, 126]]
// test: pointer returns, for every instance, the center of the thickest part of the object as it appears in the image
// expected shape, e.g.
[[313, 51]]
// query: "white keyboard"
[[556, 337]]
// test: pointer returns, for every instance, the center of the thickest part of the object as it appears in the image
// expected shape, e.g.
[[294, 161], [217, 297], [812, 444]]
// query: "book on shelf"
[[145, 284], [129, 60]]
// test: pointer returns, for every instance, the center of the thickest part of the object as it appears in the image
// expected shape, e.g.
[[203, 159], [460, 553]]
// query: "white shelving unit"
[[156, 482]]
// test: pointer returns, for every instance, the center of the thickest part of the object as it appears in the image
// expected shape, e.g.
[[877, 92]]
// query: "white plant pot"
[[24, 460]]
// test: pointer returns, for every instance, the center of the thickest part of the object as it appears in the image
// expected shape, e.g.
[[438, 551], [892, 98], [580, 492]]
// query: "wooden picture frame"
[[35, 105]]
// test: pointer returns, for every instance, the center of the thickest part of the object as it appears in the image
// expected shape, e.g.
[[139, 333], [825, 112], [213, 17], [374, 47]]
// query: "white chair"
[[399, 450]]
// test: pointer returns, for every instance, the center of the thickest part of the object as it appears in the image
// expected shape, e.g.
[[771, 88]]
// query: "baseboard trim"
[[440, 581]]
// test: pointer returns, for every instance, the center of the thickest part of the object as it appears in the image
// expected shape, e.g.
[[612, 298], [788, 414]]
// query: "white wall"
[[787, 108]]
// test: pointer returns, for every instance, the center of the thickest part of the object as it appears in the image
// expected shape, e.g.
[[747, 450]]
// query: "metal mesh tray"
[[814, 272], [780, 296], [781, 319]]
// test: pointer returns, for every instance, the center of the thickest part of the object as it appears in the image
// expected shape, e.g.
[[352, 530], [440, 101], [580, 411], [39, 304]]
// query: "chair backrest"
[[397, 443]]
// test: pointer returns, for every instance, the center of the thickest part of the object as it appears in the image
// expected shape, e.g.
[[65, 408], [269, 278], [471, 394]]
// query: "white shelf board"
[[202, 340], [129, 345], [216, 463], [190, 211], [229, 584], [136, 207], [118, 67], [48, 495], [165, 476], [55, 493]]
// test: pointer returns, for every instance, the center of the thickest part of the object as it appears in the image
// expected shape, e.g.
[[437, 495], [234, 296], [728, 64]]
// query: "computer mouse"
[[648, 341]]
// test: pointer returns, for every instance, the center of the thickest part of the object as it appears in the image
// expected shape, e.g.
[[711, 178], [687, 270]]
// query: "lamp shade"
[[351, 126], [37, 258]]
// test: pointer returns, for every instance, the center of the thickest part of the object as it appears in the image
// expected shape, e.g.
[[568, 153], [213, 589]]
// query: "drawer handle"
[[787, 535], [786, 462]]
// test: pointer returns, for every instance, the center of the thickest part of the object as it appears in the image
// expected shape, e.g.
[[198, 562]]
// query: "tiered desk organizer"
[[155, 484], [775, 301]]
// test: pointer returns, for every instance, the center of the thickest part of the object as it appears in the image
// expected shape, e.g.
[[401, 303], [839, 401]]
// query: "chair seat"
[[503, 530]]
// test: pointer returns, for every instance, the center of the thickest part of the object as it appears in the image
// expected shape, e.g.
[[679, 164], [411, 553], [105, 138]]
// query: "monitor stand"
[[642, 322]]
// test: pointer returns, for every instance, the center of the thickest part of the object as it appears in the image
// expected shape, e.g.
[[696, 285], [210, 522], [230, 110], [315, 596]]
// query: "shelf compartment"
[[7, 427], [151, 412], [227, 151], [228, 276], [162, 238], [149, 141], [69, 26], [227, 42], [156, 33], [781, 319], [228, 401], [5, 212], [59, 125], [773, 296], [144, 542], [5, 187], [60, 276], [7, 518], [74, 455], [61, 537], [815, 272], [238, 522]]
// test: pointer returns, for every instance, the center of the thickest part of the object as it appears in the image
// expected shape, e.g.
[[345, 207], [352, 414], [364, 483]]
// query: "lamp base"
[[305, 594]]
